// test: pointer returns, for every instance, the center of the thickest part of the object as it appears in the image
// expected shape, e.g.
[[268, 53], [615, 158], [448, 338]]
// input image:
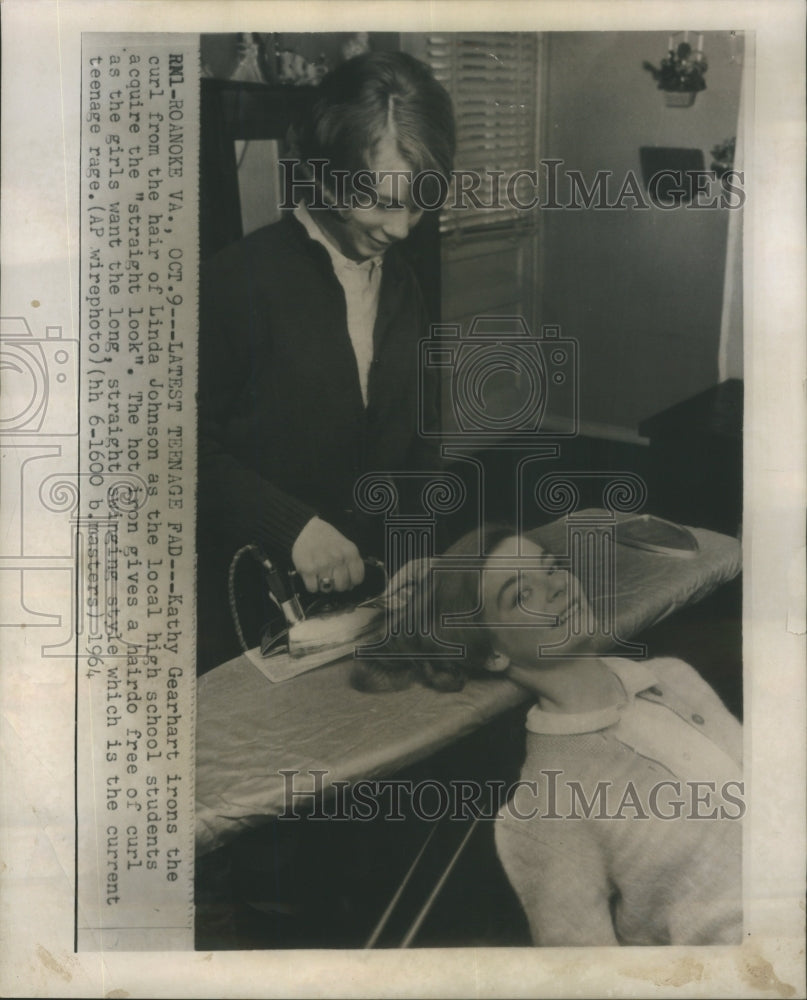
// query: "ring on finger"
[[326, 584]]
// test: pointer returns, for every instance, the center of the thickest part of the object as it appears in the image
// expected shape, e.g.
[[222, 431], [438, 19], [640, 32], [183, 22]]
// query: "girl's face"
[[528, 601], [369, 232]]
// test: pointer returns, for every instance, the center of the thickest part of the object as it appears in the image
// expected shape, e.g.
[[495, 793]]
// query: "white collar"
[[633, 676]]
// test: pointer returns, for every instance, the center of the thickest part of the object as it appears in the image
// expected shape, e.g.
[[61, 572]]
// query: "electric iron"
[[310, 630]]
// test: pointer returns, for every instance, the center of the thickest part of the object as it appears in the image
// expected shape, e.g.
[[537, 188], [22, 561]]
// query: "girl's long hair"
[[446, 592]]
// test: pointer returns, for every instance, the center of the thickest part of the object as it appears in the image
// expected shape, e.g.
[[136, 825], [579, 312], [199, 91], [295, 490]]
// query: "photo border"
[[39, 247]]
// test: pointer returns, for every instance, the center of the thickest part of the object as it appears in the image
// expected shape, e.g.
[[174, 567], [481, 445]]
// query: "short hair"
[[454, 591], [356, 103]]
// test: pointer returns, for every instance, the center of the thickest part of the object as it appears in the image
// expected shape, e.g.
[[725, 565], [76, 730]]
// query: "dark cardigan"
[[283, 432]]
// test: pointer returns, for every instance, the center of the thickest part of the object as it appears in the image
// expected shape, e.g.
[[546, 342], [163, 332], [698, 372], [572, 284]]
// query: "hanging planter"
[[680, 74]]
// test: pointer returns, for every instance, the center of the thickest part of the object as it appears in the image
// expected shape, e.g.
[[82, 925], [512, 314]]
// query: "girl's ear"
[[497, 663]]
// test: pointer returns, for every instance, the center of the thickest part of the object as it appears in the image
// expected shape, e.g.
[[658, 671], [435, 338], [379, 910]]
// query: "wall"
[[641, 290]]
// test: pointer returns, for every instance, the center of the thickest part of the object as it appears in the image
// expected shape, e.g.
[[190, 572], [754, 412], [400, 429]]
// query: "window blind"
[[493, 81]]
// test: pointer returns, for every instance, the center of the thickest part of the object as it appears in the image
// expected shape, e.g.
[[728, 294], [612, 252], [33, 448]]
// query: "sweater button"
[[655, 690], [697, 719]]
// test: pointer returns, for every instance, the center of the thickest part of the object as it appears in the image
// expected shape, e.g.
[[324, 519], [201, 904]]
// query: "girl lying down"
[[625, 827]]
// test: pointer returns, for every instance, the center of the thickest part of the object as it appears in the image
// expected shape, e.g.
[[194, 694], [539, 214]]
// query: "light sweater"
[[604, 859], [361, 283]]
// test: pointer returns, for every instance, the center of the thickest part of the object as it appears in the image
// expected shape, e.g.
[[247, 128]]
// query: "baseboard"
[[595, 429]]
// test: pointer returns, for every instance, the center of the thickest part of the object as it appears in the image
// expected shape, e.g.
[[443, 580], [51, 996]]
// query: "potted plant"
[[680, 75]]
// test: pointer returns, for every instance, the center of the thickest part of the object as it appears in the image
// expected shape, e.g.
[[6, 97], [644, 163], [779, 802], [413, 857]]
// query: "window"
[[493, 81]]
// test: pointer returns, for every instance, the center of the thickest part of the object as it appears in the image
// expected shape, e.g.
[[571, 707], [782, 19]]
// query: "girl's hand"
[[325, 559]]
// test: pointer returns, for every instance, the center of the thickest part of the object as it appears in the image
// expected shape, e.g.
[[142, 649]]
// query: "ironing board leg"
[[382, 923], [424, 910]]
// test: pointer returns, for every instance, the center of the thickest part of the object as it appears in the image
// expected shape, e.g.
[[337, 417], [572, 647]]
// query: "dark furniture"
[[696, 455]]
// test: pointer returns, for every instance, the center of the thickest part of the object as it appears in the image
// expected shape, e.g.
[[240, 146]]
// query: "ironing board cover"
[[249, 730]]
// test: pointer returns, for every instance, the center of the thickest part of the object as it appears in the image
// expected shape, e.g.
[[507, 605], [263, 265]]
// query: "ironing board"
[[249, 729]]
